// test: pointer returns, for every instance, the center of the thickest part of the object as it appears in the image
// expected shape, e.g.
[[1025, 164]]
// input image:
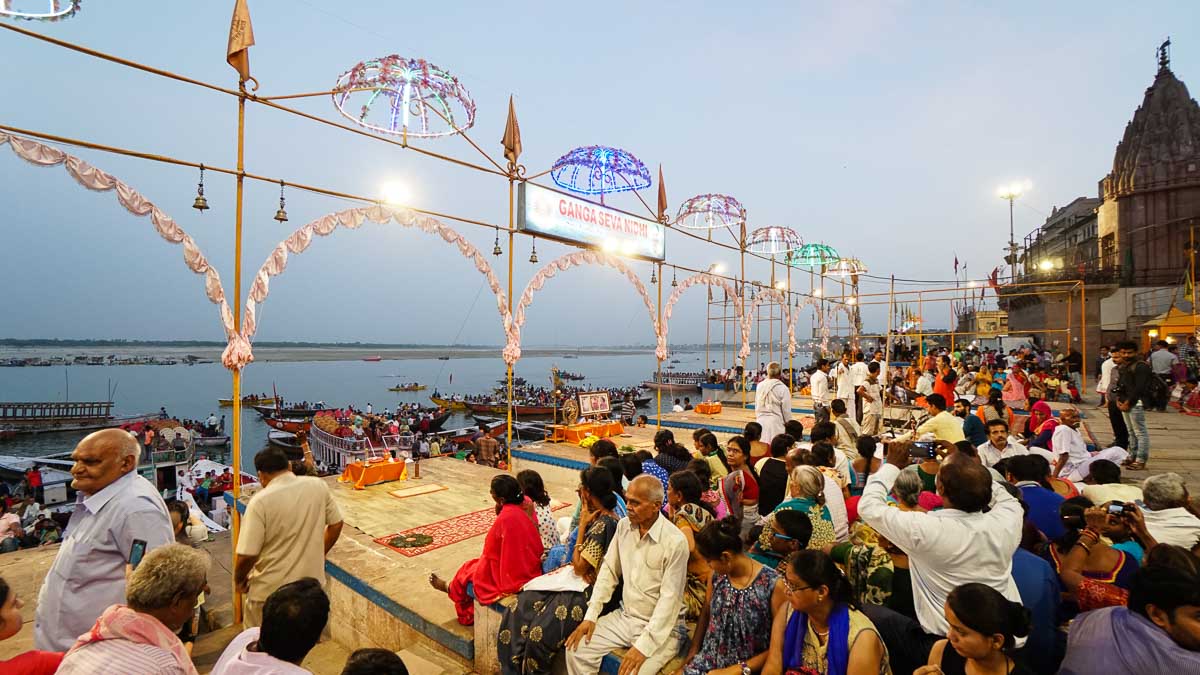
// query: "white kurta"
[[772, 407]]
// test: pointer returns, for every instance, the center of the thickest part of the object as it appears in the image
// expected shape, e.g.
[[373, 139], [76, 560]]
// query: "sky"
[[881, 128]]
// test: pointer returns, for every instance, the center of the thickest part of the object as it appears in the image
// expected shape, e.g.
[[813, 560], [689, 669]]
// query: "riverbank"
[[307, 354]]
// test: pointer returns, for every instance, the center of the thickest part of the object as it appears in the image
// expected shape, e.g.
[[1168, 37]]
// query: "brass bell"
[[496, 250], [533, 253], [281, 214], [653, 277], [201, 204]]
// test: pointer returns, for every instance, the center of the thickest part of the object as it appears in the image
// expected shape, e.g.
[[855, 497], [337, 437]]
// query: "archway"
[[748, 319], [512, 350], [99, 181], [827, 318], [662, 351], [352, 219]]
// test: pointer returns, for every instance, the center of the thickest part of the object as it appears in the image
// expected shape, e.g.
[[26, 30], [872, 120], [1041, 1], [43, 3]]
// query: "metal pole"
[[921, 328], [509, 369], [236, 441], [1083, 336], [887, 349], [787, 306], [745, 310], [658, 417]]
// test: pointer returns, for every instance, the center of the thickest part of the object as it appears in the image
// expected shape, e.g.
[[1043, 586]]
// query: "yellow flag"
[[241, 36]]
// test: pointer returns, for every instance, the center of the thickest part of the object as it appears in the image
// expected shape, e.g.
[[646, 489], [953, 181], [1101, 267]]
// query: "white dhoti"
[[616, 630], [1077, 471]]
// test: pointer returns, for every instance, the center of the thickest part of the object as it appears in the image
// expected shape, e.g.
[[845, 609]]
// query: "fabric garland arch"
[[662, 351], [748, 319], [300, 240], [99, 181], [512, 350]]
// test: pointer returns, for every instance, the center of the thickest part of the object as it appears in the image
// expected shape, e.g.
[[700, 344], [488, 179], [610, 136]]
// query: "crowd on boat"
[[529, 395], [834, 550]]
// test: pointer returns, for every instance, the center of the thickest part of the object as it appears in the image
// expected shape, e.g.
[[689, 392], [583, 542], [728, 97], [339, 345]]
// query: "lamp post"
[[1011, 192]]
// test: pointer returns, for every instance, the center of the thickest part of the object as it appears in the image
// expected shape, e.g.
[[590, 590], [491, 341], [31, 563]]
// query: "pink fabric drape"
[[662, 352]]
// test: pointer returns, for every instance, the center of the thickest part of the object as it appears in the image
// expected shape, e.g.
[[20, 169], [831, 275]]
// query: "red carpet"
[[451, 531]]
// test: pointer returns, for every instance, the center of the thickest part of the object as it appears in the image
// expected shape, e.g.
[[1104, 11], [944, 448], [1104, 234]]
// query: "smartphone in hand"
[[136, 552]]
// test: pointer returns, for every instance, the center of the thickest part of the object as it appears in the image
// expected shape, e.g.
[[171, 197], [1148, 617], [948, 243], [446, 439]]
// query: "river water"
[[192, 391]]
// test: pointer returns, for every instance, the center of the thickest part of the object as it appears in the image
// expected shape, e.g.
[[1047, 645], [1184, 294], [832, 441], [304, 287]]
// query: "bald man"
[[114, 506]]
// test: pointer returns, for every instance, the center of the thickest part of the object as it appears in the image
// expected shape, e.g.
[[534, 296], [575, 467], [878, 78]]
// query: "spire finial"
[[1164, 55]]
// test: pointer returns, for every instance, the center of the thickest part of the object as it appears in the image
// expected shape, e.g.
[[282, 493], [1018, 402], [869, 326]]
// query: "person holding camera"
[[956, 545]]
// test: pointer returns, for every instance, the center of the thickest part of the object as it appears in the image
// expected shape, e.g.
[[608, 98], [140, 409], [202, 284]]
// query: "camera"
[[922, 450], [1116, 509]]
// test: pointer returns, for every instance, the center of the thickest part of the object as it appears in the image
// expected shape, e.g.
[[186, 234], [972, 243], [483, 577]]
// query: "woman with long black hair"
[[690, 514], [984, 626]]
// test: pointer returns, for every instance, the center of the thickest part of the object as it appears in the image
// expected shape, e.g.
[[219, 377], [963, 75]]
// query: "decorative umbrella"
[[773, 240], [813, 256], [846, 267], [55, 10], [710, 212], [599, 169], [422, 100]]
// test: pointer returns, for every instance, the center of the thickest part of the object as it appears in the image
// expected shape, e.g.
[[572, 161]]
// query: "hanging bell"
[[533, 253], [496, 250], [674, 281], [281, 214], [653, 278], [201, 204]]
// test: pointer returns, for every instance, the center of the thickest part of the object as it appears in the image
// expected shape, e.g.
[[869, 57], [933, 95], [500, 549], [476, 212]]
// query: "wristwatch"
[[746, 669]]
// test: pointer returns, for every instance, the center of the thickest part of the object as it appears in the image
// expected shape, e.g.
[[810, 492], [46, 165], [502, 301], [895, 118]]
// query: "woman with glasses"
[[734, 628], [820, 630]]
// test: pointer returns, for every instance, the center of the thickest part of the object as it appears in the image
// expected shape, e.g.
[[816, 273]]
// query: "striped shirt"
[[120, 656]]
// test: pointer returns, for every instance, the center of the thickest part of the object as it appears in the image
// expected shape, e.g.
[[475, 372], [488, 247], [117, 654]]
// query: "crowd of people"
[[125, 590]]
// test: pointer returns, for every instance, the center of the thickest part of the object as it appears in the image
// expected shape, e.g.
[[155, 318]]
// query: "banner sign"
[[557, 215]]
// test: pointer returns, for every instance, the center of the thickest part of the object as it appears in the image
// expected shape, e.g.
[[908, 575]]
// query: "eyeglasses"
[[787, 585], [782, 536]]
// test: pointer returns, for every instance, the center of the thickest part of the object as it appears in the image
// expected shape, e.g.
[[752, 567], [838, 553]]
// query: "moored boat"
[[501, 408], [672, 387], [210, 441], [283, 439], [495, 429], [448, 404], [268, 411], [288, 424], [373, 359], [247, 400], [408, 387]]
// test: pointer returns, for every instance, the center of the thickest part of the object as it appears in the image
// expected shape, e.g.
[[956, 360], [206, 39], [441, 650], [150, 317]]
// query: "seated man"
[[959, 544], [790, 532], [1170, 517], [1103, 484], [999, 444], [293, 617], [1155, 633], [649, 556], [1073, 459], [942, 424], [1043, 503]]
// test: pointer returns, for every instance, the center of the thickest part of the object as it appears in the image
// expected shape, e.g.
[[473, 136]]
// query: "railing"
[[334, 451]]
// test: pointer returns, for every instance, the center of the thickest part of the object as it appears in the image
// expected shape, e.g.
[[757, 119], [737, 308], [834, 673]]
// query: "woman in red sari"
[[512, 555]]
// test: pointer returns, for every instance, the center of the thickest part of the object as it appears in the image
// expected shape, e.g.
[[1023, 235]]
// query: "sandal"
[[1137, 466]]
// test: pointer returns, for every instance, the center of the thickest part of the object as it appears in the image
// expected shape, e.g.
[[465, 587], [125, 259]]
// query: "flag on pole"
[[662, 197], [956, 266], [512, 135], [241, 37], [451, 378]]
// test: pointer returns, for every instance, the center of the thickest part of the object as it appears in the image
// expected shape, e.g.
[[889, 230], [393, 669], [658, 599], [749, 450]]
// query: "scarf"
[[119, 622], [837, 652], [694, 515]]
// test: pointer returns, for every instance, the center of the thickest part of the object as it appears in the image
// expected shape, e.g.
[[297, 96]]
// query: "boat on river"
[[680, 387], [288, 424], [247, 400], [269, 411], [448, 404], [408, 387], [283, 439], [44, 417], [501, 408]]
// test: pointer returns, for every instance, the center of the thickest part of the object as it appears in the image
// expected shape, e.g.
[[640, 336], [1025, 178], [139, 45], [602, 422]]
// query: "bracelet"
[[1091, 533], [1084, 546]]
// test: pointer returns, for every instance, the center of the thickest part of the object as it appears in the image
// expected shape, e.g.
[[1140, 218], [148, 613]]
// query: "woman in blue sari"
[[819, 631]]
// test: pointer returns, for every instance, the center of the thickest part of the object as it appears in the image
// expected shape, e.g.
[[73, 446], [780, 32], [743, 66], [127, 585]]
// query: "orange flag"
[[662, 197], [512, 135], [241, 36]]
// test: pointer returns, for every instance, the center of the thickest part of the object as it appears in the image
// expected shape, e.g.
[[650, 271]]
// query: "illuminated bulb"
[[610, 245], [852, 301], [817, 292], [394, 192], [1046, 265], [718, 268]]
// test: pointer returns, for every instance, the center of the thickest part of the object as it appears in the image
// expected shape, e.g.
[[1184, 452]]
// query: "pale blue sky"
[[882, 128]]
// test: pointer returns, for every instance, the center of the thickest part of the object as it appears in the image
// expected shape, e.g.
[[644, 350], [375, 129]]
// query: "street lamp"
[[1011, 192]]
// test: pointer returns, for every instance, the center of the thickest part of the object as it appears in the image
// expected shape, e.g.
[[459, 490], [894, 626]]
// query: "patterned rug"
[[451, 531]]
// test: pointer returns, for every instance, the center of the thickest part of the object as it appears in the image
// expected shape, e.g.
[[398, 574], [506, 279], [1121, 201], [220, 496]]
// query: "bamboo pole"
[[887, 348], [787, 309], [236, 449], [509, 369], [921, 328], [658, 417], [745, 309], [1083, 337]]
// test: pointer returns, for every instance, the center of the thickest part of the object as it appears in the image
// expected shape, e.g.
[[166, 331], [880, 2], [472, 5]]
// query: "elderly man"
[[114, 507], [1073, 460], [772, 403], [138, 635], [999, 444], [1170, 516], [289, 527], [649, 555], [959, 544]]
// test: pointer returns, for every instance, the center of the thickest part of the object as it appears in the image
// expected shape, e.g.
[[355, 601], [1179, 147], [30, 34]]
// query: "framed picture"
[[594, 404]]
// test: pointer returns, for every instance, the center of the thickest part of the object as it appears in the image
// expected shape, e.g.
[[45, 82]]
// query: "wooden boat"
[[409, 387], [463, 435], [246, 400], [283, 439], [290, 425], [269, 411], [210, 441], [448, 404], [443, 358], [373, 359], [672, 387], [501, 408]]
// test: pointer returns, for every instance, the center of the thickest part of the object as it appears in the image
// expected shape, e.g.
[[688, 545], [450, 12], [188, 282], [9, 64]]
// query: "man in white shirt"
[[845, 381], [650, 556], [848, 430], [858, 377], [957, 545], [1073, 459], [870, 394], [1170, 517], [925, 383], [293, 618], [678, 407], [819, 388], [1000, 445], [1103, 484]]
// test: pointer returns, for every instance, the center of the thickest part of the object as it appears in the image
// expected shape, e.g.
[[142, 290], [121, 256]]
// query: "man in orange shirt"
[[946, 379]]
